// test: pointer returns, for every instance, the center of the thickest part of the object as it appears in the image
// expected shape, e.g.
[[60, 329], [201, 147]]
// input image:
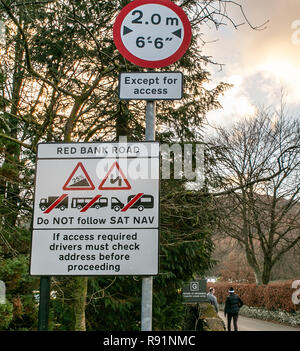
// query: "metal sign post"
[[44, 303], [147, 282], [151, 34]]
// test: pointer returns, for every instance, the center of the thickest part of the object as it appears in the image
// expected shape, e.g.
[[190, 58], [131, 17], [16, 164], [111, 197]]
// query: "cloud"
[[265, 61], [236, 103]]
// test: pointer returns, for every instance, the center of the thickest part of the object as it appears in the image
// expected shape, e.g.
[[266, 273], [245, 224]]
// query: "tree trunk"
[[251, 259], [258, 278], [79, 284], [122, 128], [266, 274], [80, 293]]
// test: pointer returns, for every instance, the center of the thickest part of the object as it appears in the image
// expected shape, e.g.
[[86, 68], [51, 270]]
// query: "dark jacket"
[[233, 304]]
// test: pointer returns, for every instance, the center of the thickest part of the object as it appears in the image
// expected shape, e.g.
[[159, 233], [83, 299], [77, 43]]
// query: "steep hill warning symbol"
[[115, 179], [79, 179]]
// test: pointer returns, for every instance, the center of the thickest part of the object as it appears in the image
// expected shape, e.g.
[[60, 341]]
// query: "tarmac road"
[[251, 324]]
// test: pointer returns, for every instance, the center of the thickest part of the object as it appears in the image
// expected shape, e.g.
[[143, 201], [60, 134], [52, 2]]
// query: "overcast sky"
[[259, 63]]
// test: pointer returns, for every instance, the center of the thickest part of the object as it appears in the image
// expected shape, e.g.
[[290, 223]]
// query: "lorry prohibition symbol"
[[45, 203]]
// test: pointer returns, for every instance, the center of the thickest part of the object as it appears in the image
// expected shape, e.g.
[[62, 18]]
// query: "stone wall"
[[202, 317]]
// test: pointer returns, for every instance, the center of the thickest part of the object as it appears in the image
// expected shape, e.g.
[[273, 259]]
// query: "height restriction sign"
[[152, 33]]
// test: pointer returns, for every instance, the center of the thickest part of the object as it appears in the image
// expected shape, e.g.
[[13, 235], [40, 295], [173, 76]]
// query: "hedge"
[[274, 296]]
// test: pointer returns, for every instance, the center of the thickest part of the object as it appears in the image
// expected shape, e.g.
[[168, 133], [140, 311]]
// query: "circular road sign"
[[152, 33]]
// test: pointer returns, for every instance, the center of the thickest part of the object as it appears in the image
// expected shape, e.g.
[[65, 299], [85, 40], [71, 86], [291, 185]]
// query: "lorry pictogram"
[[45, 203]]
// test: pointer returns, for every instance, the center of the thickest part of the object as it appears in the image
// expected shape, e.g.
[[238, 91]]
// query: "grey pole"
[[44, 304], [147, 282], [150, 121]]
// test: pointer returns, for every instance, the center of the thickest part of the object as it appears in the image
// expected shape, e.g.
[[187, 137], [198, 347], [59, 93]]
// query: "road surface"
[[251, 324]]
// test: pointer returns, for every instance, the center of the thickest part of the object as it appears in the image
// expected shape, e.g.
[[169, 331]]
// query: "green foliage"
[[21, 309], [6, 314], [113, 304], [61, 316]]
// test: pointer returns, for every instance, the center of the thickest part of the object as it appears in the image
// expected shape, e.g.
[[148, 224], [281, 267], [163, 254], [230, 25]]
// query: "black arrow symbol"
[[126, 30], [177, 33]]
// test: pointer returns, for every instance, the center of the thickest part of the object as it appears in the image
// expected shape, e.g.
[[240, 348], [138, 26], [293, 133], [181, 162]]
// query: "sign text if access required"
[[150, 85]]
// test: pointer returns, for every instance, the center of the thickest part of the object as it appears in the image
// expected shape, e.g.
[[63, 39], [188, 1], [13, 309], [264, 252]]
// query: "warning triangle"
[[79, 179], [115, 179]]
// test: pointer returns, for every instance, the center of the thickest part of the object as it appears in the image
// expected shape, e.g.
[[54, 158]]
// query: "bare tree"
[[263, 216]]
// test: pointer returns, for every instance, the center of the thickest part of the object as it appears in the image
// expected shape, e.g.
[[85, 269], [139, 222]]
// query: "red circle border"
[[146, 63]]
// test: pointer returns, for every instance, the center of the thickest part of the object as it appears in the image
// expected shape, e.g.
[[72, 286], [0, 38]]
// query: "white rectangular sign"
[[95, 252], [75, 193], [150, 85]]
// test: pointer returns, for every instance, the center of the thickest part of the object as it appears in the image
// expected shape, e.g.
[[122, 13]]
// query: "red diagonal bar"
[[132, 201], [88, 205], [55, 203]]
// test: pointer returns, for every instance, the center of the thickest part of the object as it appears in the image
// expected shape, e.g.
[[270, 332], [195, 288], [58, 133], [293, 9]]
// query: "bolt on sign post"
[[151, 34]]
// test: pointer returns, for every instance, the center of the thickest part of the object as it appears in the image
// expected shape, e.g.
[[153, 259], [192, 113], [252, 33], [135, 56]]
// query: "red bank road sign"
[[152, 33], [96, 209]]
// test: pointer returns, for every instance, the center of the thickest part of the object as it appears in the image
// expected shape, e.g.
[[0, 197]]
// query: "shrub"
[[6, 314], [274, 296]]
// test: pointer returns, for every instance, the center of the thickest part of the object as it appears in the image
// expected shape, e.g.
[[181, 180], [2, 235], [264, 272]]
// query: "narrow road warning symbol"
[[79, 179], [115, 179]]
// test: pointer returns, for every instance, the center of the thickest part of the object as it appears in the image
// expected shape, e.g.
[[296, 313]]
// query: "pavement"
[[252, 324]]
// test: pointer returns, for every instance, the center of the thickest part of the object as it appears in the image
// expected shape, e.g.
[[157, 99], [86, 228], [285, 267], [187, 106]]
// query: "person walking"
[[232, 307], [212, 299]]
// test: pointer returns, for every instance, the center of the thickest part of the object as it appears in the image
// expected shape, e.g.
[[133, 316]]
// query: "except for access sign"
[[96, 209], [150, 85], [152, 33]]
